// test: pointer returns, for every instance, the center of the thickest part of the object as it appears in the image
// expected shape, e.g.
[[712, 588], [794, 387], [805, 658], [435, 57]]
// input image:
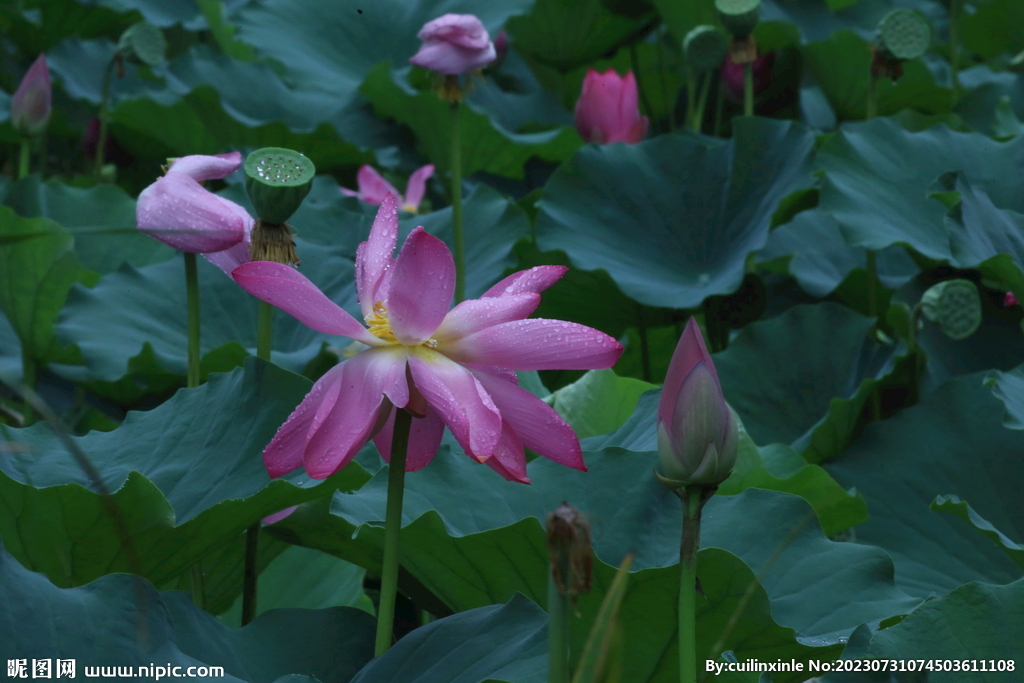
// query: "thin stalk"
[[954, 47], [101, 140], [691, 95], [698, 118], [264, 342], [635, 64], [719, 107], [748, 89], [392, 531], [28, 379], [25, 154], [559, 612], [460, 248], [645, 350], [692, 498], [192, 294]]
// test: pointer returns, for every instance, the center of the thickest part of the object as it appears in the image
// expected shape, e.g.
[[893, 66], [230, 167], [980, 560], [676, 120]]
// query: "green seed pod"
[[738, 16], [953, 305], [904, 34], [705, 47], [143, 43], [277, 181]]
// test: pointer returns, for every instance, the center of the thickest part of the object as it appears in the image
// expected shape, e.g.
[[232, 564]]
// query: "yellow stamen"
[[380, 326]]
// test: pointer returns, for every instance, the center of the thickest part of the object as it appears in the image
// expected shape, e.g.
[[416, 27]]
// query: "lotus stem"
[[719, 107], [691, 95], [392, 531], [101, 139], [559, 612], [24, 156], [265, 331], [748, 89], [252, 545], [698, 118], [192, 293], [645, 350], [693, 498], [460, 249], [954, 47]]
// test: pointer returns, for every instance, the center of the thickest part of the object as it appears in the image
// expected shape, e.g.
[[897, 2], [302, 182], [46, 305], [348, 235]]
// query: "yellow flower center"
[[380, 326]]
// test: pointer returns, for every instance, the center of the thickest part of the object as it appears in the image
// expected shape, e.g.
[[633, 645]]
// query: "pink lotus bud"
[[31, 104], [1010, 299], [732, 76], [697, 432], [454, 44], [607, 110]]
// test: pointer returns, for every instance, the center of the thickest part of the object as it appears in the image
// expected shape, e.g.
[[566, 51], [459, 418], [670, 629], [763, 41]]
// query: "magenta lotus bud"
[[607, 110], [698, 435], [31, 104], [1010, 299], [454, 44], [732, 76]]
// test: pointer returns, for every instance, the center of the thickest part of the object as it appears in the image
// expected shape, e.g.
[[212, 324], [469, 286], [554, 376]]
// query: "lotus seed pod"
[[143, 43], [738, 16], [277, 181], [904, 34], [705, 47], [953, 305]]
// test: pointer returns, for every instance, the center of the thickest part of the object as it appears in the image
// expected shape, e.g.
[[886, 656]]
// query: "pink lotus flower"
[[449, 368], [697, 433], [1009, 299], [373, 188], [179, 212], [31, 104], [454, 44], [607, 110], [732, 76]]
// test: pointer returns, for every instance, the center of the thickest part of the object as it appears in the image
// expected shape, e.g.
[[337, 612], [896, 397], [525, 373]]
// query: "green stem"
[[954, 47], [871, 109], [265, 331], [719, 108], [392, 531], [645, 350], [198, 591], [460, 248], [192, 294], [28, 379], [748, 89], [691, 95], [698, 119], [559, 611], [101, 140], [252, 544], [23, 157], [692, 498]]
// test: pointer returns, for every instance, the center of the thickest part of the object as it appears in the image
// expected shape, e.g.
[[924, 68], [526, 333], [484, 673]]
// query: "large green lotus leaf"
[[308, 579], [37, 268], [186, 476], [879, 178], [817, 256], [507, 642], [1008, 387], [782, 374], [333, 46], [978, 621], [963, 510], [486, 145], [841, 65], [599, 402], [952, 443], [980, 105], [121, 621], [163, 13], [101, 219], [570, 33], [994, 27], [515, 99], [980, 231], [112, 322], [672, 220], [10, 352]]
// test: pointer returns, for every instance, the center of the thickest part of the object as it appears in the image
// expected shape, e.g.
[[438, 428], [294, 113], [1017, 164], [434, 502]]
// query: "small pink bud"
[[607, 110], [1009, 299], [698, 435], [732, 76], [31, 104], [454, 44]]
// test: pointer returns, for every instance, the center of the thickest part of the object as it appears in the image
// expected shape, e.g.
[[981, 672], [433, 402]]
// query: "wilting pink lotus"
[[373, 188], [31, 104], [1009, 299], [697, 432], [732, 76], [607, 110], [454, 44], [446, 367], [180, 212]]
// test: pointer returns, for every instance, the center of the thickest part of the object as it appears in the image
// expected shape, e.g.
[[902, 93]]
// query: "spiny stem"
[[748, 89], [24, 156], [460, 253], [192, 294], [101, 140], [392, 531], [692, 498]]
